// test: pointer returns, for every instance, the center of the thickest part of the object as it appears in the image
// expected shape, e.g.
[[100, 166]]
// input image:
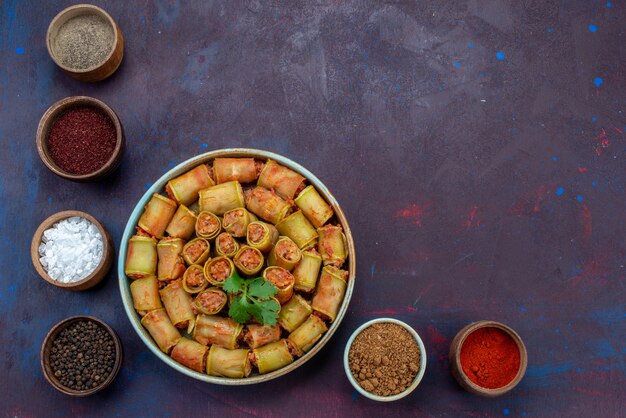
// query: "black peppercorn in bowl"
[[80, 138], [81, 355]]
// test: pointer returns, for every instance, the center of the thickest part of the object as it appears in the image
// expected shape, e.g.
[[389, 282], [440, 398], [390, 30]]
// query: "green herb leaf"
[[269, 312], [261, 289], [234, 284], [238, 310]]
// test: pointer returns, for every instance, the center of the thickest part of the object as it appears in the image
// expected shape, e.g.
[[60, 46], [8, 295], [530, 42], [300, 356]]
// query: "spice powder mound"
[[384, 359]]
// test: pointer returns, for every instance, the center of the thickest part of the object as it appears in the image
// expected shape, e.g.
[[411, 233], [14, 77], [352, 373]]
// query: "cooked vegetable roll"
[[226, 245], [236, 221], [299, 229], [171, 264], [209, 301], [141, 257], [266, 204], [262, 236], [248, 260], [283, 280], [307, 271], [194, 280], [196, 251], [221, 198], [157, 215], [314, 206], [307, 334], [161, 329], [208, 225], [191, 354], [285, 181], [330, 291], [272, 356], [177, 302], [243, 170], [332, 245], [294, 313], [223, 362], [211, 329], [218, 269], [285, 254], [145, 293], [182, 224], [184, 189], [256, 335]]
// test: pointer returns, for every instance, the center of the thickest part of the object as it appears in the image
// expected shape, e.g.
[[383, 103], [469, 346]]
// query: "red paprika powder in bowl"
[[488, 358]]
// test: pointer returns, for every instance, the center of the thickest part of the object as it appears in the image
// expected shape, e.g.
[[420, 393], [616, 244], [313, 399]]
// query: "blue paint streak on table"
[[477, 148]]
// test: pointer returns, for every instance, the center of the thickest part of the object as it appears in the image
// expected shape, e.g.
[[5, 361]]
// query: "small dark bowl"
[[50, 117], [47, 346]]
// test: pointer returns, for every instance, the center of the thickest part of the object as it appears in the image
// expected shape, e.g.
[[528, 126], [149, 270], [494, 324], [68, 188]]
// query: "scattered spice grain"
[[84, 42], [82, 140], [384, 359]]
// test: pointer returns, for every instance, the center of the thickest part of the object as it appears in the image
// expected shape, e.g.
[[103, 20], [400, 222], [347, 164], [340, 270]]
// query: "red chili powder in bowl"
[[82, 140], [490, 357]]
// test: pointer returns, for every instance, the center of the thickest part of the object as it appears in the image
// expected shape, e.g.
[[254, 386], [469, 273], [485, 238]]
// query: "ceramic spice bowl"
[[500, 341], [49, 347], [420, 370], [96, 109], [85, 42], [100, 271]]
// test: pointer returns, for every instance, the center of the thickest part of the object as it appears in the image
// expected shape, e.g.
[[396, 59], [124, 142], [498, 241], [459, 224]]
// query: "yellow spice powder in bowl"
[[385, 359]]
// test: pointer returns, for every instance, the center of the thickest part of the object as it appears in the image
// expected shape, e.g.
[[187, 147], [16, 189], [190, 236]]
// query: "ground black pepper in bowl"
[[80, 356]]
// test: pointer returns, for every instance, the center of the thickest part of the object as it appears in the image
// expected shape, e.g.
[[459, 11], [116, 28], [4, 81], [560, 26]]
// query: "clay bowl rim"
[[45, 360], [157, 187], [458, 341], [418, 377], [56, 110], [57, 217], [80, 9]]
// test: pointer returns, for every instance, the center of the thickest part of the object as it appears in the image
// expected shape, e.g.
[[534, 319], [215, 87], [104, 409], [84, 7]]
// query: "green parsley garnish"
[[252, 298]]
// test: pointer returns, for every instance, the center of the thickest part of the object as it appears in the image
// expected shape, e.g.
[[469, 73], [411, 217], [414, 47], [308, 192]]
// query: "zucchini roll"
[[283, 280], [284, 180], [177, 303], [299, 229], [307, 334], [170, 265], [266, 204], [221, 198], [314, 206], [194, 280], [145, 293], [249, 260], [256, 335], [272, 356], [285, 254], [218, 269], [196, 251], [330, 292], [141, 257], [243, 170], [209, 301], [161, 329], [208, 225], [236, 221], [332, 245], [223, 362], [157, 215], [184, 189], [226, 245], [211, 329], [294, 313], [191, 354], [307, 271], [182, 224], [261, 235]]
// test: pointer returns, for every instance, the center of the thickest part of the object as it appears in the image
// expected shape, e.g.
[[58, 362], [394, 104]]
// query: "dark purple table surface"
[[477, 148]]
